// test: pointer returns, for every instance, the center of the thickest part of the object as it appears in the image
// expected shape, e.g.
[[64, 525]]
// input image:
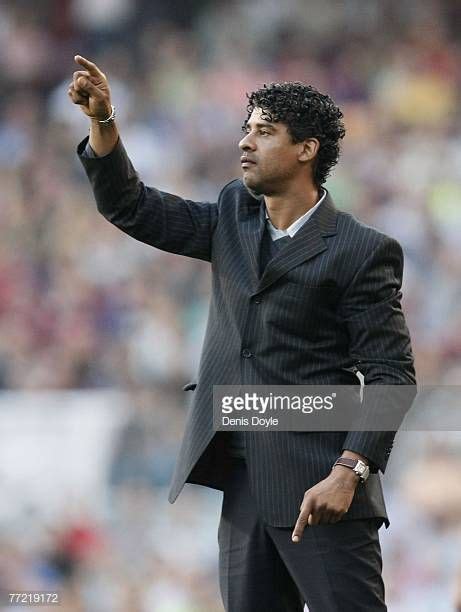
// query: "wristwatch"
[[357, 465]]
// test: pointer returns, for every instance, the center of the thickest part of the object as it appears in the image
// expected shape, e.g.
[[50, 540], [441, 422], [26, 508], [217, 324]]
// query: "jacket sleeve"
[[379, 343], [155, 217]]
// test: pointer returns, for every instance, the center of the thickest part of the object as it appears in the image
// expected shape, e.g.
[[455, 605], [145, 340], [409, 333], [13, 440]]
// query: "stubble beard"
[[257, 186], [253, 187]]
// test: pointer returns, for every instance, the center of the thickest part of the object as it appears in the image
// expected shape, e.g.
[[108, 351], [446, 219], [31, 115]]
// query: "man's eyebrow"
[[260, 124]]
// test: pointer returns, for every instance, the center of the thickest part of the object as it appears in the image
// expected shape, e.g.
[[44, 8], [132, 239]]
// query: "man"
[[302, 294]]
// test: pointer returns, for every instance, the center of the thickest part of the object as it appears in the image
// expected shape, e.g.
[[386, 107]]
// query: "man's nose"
[[247, 143]]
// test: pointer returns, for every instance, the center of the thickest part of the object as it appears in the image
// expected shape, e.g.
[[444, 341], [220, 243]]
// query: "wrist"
[[101, 128], [345, 474], [103, 138], [105, 117]]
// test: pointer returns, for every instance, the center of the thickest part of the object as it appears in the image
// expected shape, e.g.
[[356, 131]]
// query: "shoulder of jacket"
[[364, 233], [235, 192], [235, 185]]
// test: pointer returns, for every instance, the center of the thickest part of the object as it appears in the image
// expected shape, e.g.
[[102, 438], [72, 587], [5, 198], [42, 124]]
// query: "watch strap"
[[350, 463], [357, 465]]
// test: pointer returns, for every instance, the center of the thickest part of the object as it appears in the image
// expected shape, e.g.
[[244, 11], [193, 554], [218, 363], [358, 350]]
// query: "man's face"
[[269, 159]]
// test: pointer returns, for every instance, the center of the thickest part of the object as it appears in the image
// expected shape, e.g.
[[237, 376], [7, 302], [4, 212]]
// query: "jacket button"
[[247, 353], [258, 300]]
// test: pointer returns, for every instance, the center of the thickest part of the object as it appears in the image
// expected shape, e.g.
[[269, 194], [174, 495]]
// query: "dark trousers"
[[335, 567]]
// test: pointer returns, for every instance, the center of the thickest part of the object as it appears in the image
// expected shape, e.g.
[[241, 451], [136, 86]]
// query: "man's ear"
[[309, 149]]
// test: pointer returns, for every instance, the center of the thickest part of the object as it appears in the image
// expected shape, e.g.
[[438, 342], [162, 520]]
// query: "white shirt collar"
[[296, 225]]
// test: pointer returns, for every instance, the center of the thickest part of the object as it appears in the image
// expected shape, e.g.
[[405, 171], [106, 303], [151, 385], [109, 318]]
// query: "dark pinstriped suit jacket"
[[327, 304]]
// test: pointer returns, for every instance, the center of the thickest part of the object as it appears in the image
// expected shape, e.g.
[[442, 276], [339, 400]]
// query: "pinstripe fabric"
[[268, 249], [326, 304]]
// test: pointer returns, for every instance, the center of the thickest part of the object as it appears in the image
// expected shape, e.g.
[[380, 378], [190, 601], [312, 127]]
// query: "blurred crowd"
[[84, 306], [81, 305]]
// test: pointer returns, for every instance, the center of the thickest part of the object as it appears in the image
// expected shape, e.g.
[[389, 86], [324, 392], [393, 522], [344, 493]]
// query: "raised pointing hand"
[[90, 90]]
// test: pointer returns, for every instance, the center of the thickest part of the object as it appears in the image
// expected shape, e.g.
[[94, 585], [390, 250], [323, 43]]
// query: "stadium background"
[[98, 332]]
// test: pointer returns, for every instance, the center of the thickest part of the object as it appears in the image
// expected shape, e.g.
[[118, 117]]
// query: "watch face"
[[361, 469]]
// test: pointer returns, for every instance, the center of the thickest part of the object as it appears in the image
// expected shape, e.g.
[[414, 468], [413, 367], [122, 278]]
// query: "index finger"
[[303, 520], [92, 68], [299, 527]]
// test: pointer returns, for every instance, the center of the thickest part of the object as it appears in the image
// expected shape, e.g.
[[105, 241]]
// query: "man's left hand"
[[327, 501]]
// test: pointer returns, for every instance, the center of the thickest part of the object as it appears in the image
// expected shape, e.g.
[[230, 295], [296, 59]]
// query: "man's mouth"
[[246, 161]]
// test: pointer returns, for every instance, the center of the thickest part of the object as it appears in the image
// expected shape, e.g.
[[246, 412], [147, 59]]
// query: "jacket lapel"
[[305, 244], [252, 228]]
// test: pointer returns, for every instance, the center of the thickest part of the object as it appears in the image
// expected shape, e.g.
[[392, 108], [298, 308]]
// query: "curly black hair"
[[307, 113]]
